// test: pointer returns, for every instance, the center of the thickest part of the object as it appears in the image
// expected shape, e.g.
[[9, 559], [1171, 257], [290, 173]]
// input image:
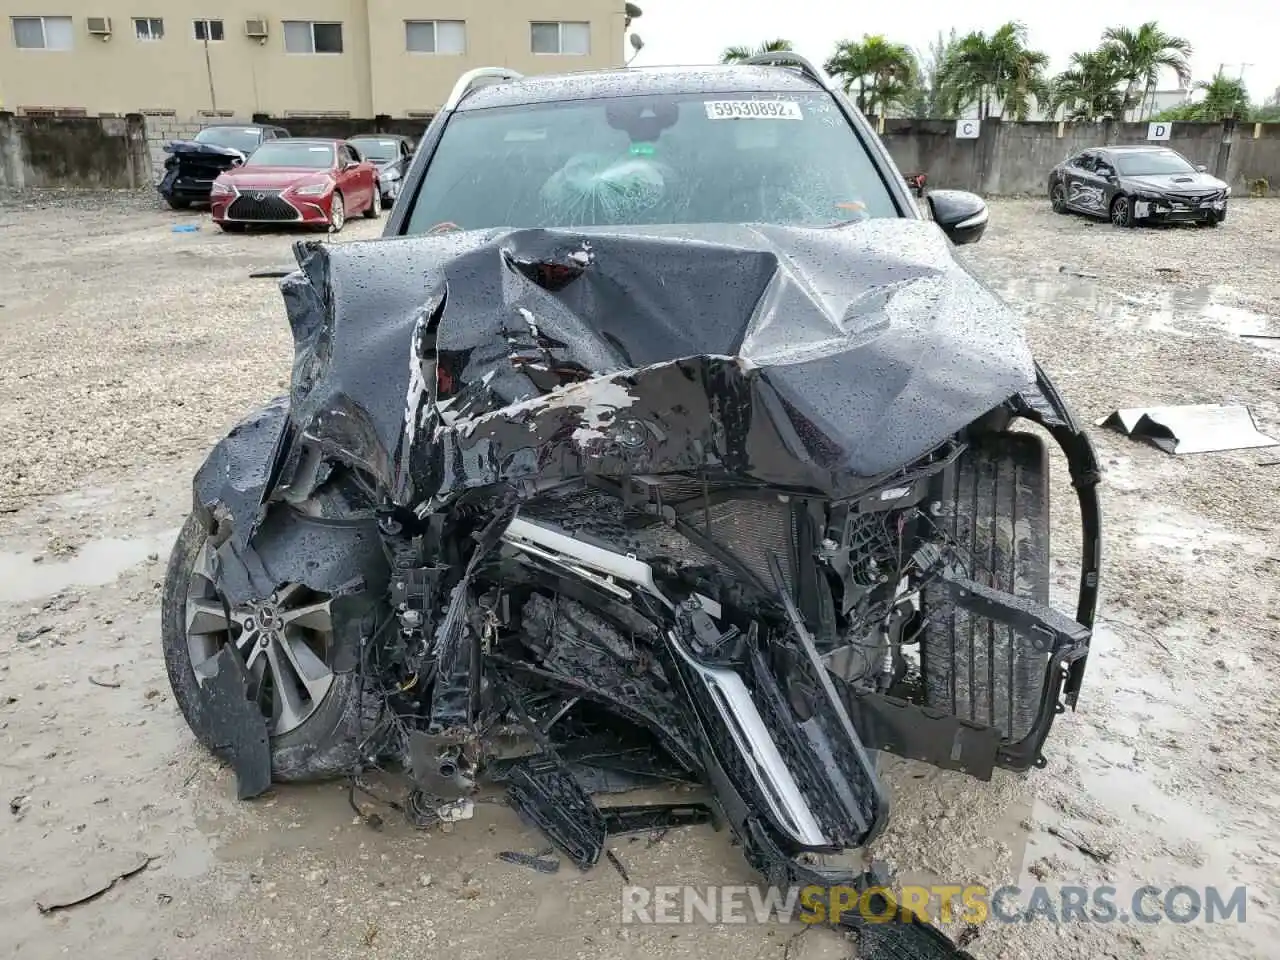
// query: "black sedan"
[[1138, 184], [391, 154]]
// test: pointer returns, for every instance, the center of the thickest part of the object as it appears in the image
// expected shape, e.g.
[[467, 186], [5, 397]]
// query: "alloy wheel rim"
[[1119, 214], [284, 641], [337, 213]]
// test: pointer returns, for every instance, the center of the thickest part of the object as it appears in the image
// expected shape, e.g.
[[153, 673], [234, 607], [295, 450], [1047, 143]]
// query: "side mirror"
[[1202, 168], [961, 215]]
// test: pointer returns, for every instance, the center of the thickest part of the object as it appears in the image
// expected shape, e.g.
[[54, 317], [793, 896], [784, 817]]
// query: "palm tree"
[[929, 96], [738, 54], [1001, 67], [1142, 54], [1223, 97], [884, 71], [1088, 89]]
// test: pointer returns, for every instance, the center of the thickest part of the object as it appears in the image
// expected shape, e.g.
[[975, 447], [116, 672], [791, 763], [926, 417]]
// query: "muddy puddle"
[[1188, 313], [31, 575]]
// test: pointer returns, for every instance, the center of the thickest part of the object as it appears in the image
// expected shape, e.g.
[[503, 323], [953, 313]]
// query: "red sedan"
[[316, 183]]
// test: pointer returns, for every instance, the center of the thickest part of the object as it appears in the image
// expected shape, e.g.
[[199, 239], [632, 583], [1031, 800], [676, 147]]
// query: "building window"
[[435, 36], [208, 29], [309, 36], [148, 28], [567, 38], [42, 33]]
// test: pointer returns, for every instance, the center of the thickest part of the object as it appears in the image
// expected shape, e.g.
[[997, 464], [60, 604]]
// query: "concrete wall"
[[1254, 161], [1010, 158], [88, 152], [374, 74]]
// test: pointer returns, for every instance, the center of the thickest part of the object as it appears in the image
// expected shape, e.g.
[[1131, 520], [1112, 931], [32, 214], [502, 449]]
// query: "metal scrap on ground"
[[1191, 428], [93, 883]]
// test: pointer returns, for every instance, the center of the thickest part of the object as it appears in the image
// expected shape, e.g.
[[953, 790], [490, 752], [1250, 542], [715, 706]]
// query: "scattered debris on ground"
[[96, 880]]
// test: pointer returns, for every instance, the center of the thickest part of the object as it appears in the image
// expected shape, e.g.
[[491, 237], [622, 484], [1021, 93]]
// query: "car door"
[[401, 163], [1108, 182], [1084, 188], [357, 176]]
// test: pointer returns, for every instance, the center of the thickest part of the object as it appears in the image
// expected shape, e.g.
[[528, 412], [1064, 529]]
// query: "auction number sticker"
[[753, 110]]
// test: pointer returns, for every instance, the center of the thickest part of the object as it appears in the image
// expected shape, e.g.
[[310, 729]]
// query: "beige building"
[[356, 58]]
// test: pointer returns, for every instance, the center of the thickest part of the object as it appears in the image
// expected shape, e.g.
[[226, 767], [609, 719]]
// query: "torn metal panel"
[[867, 347], [236, 726], [234, 478], [1191, 428]]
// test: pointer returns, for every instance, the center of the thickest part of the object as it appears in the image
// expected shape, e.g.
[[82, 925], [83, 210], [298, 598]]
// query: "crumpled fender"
[[268, 543], [193, 146]]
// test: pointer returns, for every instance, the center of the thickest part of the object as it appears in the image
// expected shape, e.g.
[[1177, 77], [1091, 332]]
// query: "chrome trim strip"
[[733, 700], [754, 742]]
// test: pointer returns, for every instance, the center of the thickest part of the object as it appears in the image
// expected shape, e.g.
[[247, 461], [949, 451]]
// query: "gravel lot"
[[130, 348]]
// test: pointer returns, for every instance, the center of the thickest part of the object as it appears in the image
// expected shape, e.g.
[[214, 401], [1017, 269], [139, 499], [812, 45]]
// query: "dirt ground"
[[128, 349]]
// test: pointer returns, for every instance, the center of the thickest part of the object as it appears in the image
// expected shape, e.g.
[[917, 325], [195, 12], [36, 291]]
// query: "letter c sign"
[[968, 129]]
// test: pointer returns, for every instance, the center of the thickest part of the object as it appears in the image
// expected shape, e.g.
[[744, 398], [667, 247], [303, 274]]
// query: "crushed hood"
[[195, 148], [815, 358]]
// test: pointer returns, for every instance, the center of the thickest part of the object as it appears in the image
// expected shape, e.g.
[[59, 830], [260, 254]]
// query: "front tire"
[[1122, 212], [337, 213], [996, 516], [176, 203], [375, 203], [1058, 197], [327, 741]]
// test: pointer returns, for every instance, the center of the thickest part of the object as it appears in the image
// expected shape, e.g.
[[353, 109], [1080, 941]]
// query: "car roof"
[[1134, 148], [246, 126], [378, 136], [327, 141], [638, 81]]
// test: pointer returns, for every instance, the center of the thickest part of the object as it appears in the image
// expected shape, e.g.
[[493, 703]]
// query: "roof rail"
[[479, 77], [785, 58]]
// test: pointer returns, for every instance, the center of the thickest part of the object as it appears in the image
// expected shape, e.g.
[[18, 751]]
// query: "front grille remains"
[[747, 529], [1196, 198], [264, 205]]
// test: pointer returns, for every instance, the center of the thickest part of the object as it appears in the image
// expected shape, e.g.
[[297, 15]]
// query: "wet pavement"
[[1169, 773]]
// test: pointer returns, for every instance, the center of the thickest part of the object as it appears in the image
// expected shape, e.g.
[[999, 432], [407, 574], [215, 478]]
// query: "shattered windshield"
[[378, 151], [244, 139], [707, 158], [1152, 164], [296, 153]]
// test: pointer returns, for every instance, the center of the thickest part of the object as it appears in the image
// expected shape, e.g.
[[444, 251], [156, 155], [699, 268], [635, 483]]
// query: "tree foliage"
[[738, 54], [884, 72], [999, 69]]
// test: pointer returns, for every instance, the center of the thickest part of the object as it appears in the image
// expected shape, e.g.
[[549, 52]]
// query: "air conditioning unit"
[[256, 29], [99, 26]]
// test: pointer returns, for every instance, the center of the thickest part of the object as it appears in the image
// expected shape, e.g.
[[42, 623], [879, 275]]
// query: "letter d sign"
[[1159, 131]]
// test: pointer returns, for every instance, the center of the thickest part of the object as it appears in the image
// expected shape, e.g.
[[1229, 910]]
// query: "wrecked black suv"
[[661, 438]]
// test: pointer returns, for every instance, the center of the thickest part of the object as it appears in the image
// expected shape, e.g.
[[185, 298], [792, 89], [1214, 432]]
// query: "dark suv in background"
[[193, 165]]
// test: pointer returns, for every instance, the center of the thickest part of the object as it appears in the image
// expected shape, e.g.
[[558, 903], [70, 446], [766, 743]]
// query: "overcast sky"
[[1223, 32]]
